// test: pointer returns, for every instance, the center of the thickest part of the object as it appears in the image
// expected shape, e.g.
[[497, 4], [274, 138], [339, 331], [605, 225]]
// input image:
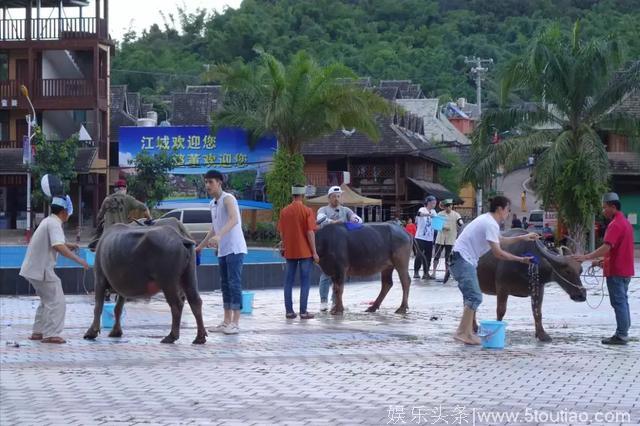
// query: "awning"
[[348, 198], [439, 191], [186, 203]]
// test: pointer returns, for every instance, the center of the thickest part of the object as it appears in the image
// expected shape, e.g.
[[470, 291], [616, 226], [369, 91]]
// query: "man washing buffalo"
[[479, 237]]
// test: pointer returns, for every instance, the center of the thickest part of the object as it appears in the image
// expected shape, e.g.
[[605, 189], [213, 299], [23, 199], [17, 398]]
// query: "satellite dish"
[[51, 186]]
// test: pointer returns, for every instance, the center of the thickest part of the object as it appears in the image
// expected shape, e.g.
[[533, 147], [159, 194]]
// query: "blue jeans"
[[467, 277], [618, 288], [231, 280], [305, 269], [325, 285]]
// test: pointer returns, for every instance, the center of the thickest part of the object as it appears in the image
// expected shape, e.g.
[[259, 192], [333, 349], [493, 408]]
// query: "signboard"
[[195, 149], [26, 150]]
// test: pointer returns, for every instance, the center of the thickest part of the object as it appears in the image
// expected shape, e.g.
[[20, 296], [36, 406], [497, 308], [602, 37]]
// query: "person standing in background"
[[425, 235], [447, 237]]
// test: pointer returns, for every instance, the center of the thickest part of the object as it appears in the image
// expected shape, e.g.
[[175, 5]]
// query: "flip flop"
[[35, 336], [56, 340]]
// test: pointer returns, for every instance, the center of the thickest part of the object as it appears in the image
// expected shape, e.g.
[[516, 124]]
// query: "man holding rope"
[[617, 250]]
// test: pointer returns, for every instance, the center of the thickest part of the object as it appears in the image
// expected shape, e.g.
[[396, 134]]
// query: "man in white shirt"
[[38, 268], [480, 236], [227, 236], [425, 235]]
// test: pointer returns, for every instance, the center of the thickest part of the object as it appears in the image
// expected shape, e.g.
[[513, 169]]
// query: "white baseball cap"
[[334, 190]]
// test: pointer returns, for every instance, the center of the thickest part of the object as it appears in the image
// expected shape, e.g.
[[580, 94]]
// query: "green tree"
[[297, 103], [54, 157], [151, 181], [581, 82]]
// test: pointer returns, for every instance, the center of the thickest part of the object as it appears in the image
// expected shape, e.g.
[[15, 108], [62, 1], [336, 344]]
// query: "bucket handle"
[[488, 335]]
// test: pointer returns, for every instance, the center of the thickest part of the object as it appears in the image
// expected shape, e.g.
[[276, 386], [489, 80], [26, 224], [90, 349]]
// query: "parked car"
[[197, 220]]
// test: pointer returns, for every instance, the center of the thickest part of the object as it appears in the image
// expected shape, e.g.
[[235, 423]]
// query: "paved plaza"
[[361, 368]]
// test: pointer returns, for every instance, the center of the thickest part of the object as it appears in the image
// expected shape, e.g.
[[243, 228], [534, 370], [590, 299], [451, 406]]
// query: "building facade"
[[60, 50]]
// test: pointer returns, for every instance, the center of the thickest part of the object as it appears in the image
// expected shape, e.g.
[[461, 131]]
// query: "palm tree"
[[297, 103], [578, 84]]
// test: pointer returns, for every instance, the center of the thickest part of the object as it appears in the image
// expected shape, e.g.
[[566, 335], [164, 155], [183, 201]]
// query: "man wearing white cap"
[[334, 212], [425, 235], [38, 269], [617, 250]]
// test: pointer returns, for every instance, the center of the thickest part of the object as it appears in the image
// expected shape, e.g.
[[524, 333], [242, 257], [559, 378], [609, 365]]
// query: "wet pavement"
[[360, 368]]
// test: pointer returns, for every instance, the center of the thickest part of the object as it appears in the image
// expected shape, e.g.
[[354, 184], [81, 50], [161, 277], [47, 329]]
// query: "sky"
[[141, 14]]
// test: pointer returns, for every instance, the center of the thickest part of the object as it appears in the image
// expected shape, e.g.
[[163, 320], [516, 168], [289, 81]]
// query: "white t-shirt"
[[423, 223], [232, 242], [41, 257], [474, 239]]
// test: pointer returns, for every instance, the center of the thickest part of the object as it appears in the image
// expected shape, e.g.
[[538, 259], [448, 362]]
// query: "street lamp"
[[31, 123]]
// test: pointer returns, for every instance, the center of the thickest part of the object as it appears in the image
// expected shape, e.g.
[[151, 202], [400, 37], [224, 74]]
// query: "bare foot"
[[467, 339]]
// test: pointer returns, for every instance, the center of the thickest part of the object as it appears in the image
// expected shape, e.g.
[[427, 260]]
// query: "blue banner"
[[195, 149]]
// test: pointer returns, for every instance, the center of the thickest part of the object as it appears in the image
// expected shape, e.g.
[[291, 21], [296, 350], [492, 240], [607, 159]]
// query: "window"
[[4, 125], [175, 214], [197, 216]]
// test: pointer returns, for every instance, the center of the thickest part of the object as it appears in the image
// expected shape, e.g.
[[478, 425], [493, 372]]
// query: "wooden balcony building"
[[60, 51]]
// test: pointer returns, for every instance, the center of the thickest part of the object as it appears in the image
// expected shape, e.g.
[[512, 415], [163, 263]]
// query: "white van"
[[197, 220]]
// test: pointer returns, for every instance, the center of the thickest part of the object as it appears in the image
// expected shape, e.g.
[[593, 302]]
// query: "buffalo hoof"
[[336, 311], [200, 340], [168, 339], [371, 308], [116, 333], [543, 337], [401, 310], [91, 334]]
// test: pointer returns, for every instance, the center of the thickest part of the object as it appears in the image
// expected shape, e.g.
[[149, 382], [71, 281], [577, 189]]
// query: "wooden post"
[[106, 18], [27, 24], [98, 19], [397, 184]]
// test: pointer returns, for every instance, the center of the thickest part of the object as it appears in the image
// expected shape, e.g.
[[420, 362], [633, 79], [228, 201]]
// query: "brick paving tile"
[[360, 368]]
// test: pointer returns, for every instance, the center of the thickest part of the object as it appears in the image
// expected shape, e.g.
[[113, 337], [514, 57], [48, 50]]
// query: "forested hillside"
[[422, 40]]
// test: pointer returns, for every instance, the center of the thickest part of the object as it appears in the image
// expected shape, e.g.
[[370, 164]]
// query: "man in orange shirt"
[[296, 226]]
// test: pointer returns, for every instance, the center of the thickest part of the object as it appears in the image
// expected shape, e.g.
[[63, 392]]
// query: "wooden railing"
[[52, 29], [321, 180], [63, 87], [12, 29], [9, 90], [50, 88], [10, 144]]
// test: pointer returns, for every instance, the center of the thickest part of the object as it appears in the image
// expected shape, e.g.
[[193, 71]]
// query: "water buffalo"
[[504, 279], [139, 261], [366, 250]]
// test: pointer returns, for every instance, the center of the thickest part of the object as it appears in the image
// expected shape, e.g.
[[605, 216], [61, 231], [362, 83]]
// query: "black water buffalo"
[[367, 250], [504, 279], [139, 261]]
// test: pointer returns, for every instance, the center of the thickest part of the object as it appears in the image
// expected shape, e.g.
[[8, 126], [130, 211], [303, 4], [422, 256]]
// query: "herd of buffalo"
[[138, 261]]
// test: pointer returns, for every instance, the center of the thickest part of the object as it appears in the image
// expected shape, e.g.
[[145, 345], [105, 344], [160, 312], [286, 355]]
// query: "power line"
[[155, 73]]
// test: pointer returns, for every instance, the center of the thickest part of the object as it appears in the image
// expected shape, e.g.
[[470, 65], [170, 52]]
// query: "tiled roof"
[[118, 97], [630, 104], [192, 108], [624, 163], [437, 128], [11, 160], [133, 104], [395, 140], [389, 93]]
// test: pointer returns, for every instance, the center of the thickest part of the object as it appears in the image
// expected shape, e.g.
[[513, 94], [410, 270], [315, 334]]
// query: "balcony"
[[324, 180], [53, 29], [53, 93]]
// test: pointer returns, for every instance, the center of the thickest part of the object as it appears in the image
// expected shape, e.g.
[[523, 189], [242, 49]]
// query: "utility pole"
[[479, 72]]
